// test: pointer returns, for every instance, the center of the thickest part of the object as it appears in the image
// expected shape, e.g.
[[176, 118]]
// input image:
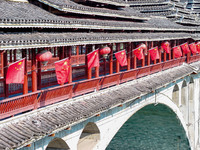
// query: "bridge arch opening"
[[175, 95], [89, 137], [57, 144], [152, 127]]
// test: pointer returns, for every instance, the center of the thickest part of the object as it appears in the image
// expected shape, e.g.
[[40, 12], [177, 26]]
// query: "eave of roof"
[[79, 11], [38, 40]]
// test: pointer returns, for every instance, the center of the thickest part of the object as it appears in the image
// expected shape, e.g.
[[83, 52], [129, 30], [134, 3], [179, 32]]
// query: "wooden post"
[[128, 56], [111, 60], [33, 69], [5, 67], [2, 63], [143, 61], [148, 55], [134, 61], [54, 52], [69, 49], [173, 56], [25, 85], [15, 57], [11, 56], [170, 50], [152, 44], [39, 74], [117, 63], [97, 68], [89, 71]]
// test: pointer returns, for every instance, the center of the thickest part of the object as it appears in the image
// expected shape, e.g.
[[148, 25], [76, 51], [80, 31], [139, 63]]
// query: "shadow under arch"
[[57, 144], [152, 127], [175, 95], [89, 138]]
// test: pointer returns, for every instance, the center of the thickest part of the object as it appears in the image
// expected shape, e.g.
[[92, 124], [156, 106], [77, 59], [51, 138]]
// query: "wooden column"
[[89, 71], [148, 54], [33, 69], [111, 60], [128, 56], [152, 44], [25, 85], [2, 63], [15, 57], [134, 59], [170, 50], [143, 61], [117, 63], [5, 65], [97, 68], [62, 53], [39, 74], [173, 56], [11, 56], [69, 50], [160, 51], [54, 52]]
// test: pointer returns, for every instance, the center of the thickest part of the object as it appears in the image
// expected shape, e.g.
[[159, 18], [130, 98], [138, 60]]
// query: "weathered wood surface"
[[18, 132]]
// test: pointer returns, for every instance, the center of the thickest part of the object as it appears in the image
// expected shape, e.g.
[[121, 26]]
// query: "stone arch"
[[175, 95], [89, 138], [57, 144]]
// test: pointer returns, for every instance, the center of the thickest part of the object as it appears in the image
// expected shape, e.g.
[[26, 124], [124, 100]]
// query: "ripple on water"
[[151, 128]]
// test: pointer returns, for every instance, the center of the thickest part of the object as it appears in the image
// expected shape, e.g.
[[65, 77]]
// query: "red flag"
[[198, 47], [154, 53], [185, 48], [93, 59], [15, 73], [193, 48], [138, 52], [166, 47], [177, 51], [121, 57], [62, 70]]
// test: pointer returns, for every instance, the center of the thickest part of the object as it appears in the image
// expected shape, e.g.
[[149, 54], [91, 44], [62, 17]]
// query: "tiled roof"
[[33, 40], [70, 6]]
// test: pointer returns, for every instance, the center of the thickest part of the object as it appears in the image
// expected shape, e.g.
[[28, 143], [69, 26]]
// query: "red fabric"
[[177, 51], [121, 57], [15, 73], [193, 48], [185, 48], [138, 53], [62, 70], [93, 59], [198, 48], [166, 47], [154, 53]]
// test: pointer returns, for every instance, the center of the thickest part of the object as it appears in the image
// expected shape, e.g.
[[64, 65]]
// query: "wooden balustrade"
[[23, 103], [55, 94], [19, 104]]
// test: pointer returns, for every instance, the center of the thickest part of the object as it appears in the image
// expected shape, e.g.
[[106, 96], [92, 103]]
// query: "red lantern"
[[105, 51], [44, 57]]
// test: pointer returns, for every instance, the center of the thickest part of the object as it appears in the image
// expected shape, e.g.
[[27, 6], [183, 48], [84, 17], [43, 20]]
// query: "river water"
[[151, 128]]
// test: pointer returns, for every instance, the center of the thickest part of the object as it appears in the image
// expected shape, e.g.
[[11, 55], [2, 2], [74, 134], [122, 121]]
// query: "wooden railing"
[[19, 104]]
